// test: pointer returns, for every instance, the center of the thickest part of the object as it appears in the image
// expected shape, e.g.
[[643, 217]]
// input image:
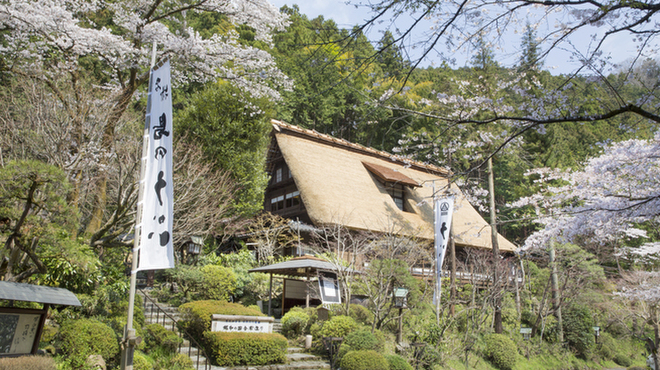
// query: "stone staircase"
[[166, 315]]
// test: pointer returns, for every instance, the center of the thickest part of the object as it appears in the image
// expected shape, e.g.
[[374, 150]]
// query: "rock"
[[96, 362]]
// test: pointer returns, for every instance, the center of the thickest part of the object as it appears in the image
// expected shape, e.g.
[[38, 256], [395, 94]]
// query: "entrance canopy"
[[300, 267], [305, 266]]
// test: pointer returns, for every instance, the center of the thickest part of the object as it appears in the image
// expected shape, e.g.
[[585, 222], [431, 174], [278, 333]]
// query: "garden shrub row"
[[233, 349], [196, 317]]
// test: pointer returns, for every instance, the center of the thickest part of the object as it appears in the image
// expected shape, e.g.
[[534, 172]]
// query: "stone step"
[[190, 351], [302, 357]]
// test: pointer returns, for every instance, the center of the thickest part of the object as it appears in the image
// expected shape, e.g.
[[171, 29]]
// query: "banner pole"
[[130, 340]]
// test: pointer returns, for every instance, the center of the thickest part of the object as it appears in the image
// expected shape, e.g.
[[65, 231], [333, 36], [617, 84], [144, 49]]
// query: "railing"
[[182, 334], [460, 275]]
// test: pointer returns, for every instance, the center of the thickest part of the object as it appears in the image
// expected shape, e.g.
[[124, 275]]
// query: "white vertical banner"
[[443, 209], [156, 248]]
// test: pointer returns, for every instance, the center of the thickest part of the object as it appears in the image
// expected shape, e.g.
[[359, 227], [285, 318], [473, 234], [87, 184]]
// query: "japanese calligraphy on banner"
[[442, 211], [156, 249]]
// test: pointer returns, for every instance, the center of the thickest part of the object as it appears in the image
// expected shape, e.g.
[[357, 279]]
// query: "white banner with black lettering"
[[156, 249], [443, 210]]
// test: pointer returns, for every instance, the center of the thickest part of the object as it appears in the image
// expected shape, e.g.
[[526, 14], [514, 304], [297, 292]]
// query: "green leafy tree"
[[232, 129], [36, 223], [379, 281]]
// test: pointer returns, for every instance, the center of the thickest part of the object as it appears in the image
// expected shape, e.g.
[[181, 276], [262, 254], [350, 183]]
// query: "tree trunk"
[[555, 294], [497, 299]]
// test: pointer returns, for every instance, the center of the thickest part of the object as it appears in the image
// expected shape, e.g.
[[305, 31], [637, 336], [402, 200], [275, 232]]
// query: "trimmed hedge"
[[397, 362], [501, 351], [295, 322], [196, 317], [83, 337], [233, 349], [363, 340], [157, 335], [338, 326], [364, 360]]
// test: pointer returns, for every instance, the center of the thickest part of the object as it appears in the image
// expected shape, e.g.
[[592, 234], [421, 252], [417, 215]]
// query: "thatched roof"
[[339, 184]]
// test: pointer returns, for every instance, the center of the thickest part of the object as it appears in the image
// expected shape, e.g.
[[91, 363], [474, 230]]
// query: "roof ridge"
[[331, 139]]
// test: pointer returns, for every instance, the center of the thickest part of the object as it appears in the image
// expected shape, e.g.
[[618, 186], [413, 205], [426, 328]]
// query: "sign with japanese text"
[[242, 324], [18, 332], [329, 287], [443, 210], [156, 248]]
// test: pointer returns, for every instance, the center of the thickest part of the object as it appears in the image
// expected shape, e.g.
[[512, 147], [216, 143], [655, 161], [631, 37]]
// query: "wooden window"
[[397, 193]]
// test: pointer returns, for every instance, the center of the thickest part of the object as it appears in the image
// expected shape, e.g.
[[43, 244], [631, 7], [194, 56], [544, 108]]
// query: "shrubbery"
[[362, 340], [140, 361], [623, 360], [338, 326], [196, 317], [218, 282], [157, 335], [232, 349], [361, 314], [295, 323], [364, 360], [397, 362], [83, 337], [578, 329], [501, 351]]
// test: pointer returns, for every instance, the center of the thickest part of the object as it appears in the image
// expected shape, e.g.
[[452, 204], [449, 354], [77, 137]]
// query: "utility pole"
[[497, 299]]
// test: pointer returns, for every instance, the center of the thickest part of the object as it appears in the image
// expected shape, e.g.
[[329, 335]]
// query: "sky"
[[558, 62]]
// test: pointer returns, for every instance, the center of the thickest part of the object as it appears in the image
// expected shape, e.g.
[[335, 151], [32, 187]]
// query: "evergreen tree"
[[530, 58]]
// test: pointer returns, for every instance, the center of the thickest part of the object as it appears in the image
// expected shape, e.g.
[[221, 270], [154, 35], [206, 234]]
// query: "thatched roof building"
[[319, 180]]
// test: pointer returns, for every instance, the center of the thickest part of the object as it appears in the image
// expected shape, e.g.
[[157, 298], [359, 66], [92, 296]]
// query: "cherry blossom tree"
[[602, 203], [643, 288], [71, 43]]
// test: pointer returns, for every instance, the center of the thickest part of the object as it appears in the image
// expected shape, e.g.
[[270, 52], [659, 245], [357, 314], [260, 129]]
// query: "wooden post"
[[270, 296]]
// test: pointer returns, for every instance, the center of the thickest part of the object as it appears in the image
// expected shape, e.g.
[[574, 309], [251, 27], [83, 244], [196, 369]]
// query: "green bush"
[[623, 360], [28, 363], [233, 349], [578, 329], [361, 314], [157, 335], [218, 283], [501, 351], [364, 360], [140, 361], [606, 348], [180, 362], [196, 317], [83, 337], [363, 340], [294, 323], [338, 326], [397, 362]]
